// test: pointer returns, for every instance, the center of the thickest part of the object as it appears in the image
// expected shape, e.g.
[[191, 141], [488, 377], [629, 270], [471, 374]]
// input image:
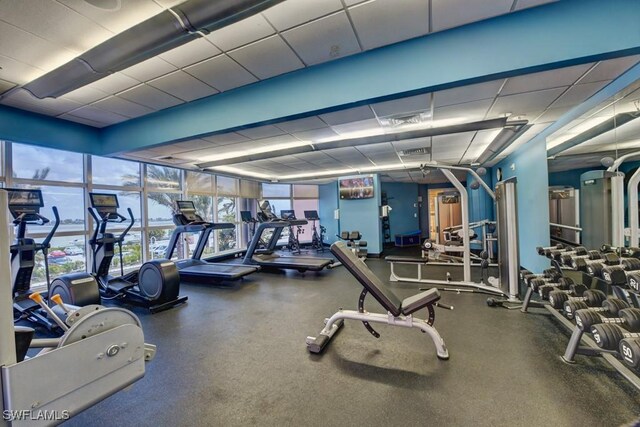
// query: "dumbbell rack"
[[589, 347]]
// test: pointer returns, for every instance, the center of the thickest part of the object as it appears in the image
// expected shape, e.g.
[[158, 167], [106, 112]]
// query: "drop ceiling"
[[37, 36]]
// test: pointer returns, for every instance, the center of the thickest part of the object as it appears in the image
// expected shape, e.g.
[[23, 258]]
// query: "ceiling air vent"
[[415, 152], [406, 119]]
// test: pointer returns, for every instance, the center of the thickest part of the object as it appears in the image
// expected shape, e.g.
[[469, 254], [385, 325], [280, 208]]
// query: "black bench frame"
[[399, 313]]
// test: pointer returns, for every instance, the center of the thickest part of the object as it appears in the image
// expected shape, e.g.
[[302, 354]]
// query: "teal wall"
[[364, 216], [481, 205], [530, 162], [327, 204], [403, 199]]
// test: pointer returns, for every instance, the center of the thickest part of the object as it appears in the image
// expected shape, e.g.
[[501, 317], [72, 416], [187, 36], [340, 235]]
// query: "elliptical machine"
[[24, 206], [156, 285]]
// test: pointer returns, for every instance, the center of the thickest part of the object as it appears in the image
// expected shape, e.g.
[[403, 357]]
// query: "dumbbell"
[[538, 283], [563, 283], [594, 267], [549, 273], [609, 336], [591, 297], [617, 274], [633, 280], [629, 349], [630, 317], [574, 290], [567, 260], [577, 251], [610, 306], [544, 251]]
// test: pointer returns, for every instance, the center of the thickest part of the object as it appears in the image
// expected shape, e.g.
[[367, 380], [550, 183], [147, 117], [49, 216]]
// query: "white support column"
[[7, 340], [464, 198], [632, 191], [617, 210]]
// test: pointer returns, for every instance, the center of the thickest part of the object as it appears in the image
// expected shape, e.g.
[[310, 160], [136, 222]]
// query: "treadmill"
[[195, 269], [267, 258]]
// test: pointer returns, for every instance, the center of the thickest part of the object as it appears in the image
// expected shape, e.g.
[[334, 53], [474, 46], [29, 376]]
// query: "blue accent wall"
[[363, 215], [403, 199], [36, 129], [327, 204], [530, 162], [481, 205]]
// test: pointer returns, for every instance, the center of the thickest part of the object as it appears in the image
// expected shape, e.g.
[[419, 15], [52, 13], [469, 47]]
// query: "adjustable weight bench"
[[399, 313]]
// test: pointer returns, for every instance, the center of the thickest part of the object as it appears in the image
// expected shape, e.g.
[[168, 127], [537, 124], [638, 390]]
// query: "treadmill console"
[[311, 215], [246, 216], [25, 205], [186, 213], [287, 214], [266, 213], [107, 206]]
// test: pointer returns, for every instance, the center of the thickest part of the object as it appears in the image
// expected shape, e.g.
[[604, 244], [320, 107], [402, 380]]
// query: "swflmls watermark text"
[[35, 415]]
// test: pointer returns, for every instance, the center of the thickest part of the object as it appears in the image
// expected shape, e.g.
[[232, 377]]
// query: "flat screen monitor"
[[288, 214], [185, 205], [104, 200], [246, 216], [311, 215], [356, 188], [20, 197]]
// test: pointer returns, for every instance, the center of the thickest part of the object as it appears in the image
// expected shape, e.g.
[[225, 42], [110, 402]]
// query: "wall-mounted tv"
[[356, 188]]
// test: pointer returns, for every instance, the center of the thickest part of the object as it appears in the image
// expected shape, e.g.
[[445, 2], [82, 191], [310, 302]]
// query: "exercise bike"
[[293, 244], [156, 285], [24, 206], [317, 239]]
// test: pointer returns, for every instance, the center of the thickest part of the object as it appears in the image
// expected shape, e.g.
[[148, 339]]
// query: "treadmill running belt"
[[222, 271]]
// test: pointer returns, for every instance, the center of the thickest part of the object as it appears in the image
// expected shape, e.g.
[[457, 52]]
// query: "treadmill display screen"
[[185, 205], [104, 200], [245, 216], [25, 197], [287, 214]]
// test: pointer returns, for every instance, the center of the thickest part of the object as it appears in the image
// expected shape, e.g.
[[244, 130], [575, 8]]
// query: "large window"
[[227, 212], [114, 172], [45, 164], [276, 190]]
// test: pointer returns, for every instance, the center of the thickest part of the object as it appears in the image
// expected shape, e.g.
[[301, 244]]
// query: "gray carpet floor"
[[236, 355]]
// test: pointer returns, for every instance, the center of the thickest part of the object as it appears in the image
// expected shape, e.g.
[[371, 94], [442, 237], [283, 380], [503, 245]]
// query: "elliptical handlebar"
[[126, 230], [46, 243]]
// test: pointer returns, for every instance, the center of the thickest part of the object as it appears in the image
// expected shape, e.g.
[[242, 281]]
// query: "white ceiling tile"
[[5, 86], [361, 125], [267, 58], [524, 4], [552, 114], [183, 86], [382, 22], [194, 144], [149, 69], [85, 95], [127, 13], [40, 53], [150, 97], [16, 71], [353, 2], [261, 132], [315, 134], [383, 148], [114, 83], [22, 99], [467, 112], [54, 22], [240, 33], [610, 69], [525, 102], [324, 39], [123, 107], [222, 73], [190, 53], [454, 13], [97, 115], [545, 79], [403, 105], [578, 93], [295, 12], [307, 123], [225, 138], [468, 93], [349, 115], [82, 120]]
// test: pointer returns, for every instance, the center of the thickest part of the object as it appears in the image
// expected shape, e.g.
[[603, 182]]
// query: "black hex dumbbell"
[[633, 280], [610, 307], [609, 336], [557, 297], [594, 267], [548, 275], [567, 260], [591, 297], [545, 250], [629, 349], [558, 253], [561, 284], [629, 317], [617, 274]]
